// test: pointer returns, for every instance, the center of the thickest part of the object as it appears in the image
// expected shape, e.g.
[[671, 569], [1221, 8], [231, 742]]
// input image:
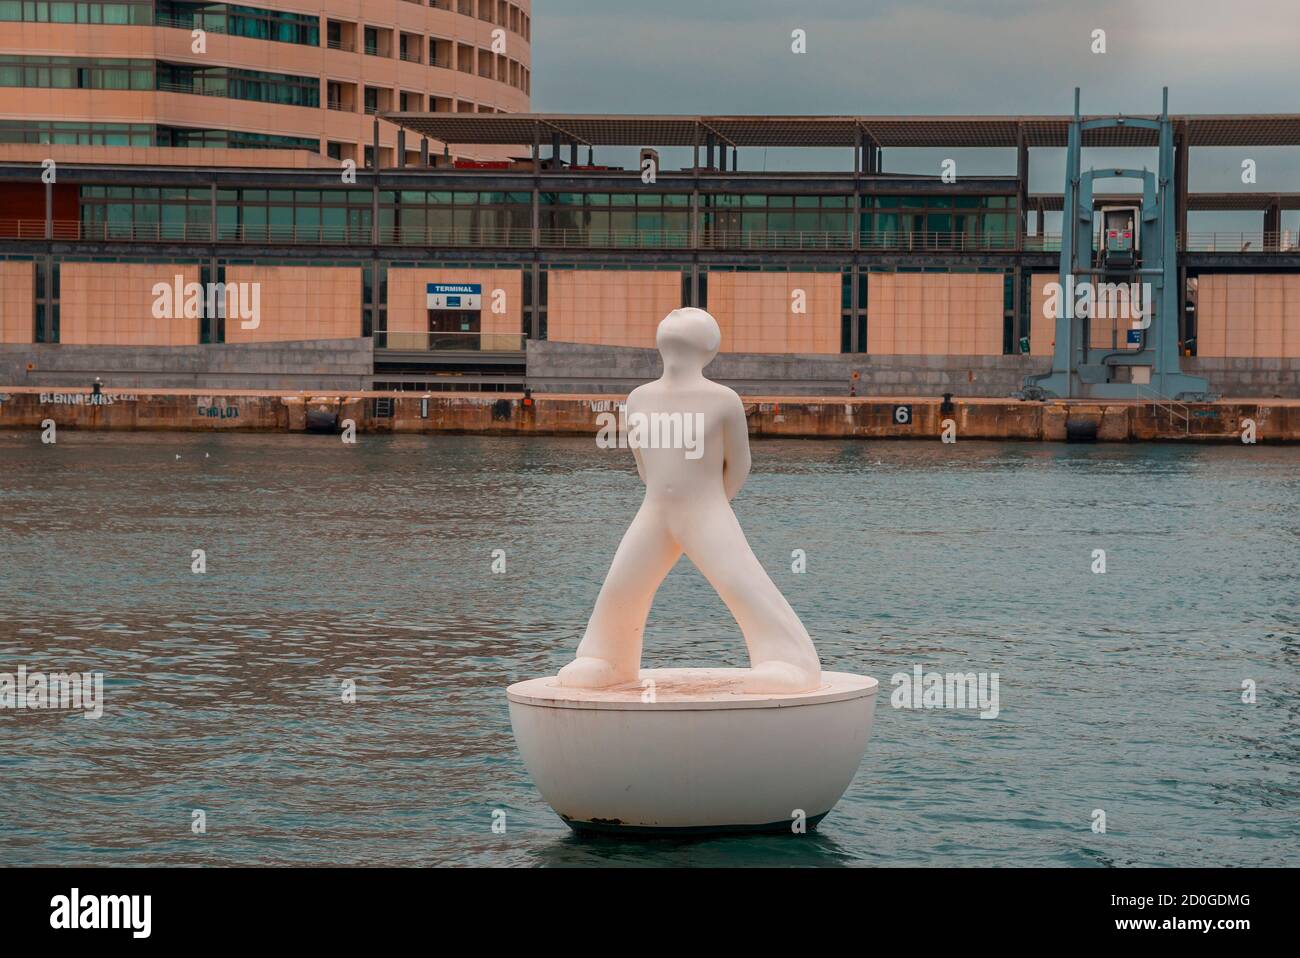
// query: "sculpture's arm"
[[735, 448], [636, 450], [640, 464]]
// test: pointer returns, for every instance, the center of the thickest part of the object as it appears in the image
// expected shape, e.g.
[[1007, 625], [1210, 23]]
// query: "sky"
[[932, 57]]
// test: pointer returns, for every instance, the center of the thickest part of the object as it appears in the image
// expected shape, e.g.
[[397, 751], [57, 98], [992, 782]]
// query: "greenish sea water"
[[372, 563]]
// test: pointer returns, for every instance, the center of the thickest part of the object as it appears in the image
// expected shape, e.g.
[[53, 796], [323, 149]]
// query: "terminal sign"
[[454, 295]]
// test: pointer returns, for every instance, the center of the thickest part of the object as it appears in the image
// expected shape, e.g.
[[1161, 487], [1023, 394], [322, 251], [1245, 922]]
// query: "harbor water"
[[428, 573]]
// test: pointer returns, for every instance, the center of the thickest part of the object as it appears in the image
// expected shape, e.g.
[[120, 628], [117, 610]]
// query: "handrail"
[[430, 341], [1177, 411], [1258, 241], [1216, 241], [175, 24]]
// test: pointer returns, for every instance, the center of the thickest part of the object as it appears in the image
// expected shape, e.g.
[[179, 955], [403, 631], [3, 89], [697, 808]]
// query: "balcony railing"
[[1256, 242], [188, 25], [511, 237], [347, 46], [927, 242], [410, 57], [433, 341]]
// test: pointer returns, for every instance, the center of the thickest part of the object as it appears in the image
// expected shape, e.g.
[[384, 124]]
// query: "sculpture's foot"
[[780, 678], [589, 672]]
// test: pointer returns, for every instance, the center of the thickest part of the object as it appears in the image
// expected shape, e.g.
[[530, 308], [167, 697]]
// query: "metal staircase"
[[1179, 415]]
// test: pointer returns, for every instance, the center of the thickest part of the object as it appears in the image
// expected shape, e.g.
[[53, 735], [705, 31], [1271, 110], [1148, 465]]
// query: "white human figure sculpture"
[[687, 508]]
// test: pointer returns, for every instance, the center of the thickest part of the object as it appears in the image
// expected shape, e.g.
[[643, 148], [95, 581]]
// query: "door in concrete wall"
[[454, 329]]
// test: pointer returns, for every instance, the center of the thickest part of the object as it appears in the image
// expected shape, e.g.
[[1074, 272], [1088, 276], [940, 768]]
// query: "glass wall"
[[239, 84], [615, 219], [303, 216], [82, 132], [254, 22], [57, 11], [939, 222], [232, 139], [441, 217], [76, 73], [590, 220], [145, 212], [758, 220]]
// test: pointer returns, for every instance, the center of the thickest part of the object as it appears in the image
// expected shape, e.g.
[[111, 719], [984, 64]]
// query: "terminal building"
[[543, 266]]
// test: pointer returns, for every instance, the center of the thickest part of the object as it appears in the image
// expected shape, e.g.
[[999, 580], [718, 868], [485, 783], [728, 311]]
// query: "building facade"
[[450, 273], [296, 75]]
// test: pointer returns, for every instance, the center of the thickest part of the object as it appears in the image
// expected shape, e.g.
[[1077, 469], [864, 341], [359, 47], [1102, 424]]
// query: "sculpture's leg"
[[781, 654], [610, 651]]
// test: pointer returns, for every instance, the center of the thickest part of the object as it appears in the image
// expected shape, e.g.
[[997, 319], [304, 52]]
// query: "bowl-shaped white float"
[[692, 752]]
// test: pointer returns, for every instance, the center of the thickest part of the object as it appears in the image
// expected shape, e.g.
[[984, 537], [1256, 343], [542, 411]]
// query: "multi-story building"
[[298, 75], [473, 276]]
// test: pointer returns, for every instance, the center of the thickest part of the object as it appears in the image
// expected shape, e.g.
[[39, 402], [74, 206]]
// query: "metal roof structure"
[[517, 129]]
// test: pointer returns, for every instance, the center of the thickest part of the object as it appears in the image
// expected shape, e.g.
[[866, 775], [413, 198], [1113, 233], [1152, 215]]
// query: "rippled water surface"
[[1120, 692]]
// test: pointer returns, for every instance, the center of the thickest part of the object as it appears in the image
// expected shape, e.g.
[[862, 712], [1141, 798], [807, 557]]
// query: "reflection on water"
[[372, 563]]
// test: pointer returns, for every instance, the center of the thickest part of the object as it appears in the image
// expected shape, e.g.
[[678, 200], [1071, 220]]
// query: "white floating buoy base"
[[685, 750]]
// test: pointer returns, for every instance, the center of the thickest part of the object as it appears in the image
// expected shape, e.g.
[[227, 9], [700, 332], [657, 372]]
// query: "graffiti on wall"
[[85, 399]]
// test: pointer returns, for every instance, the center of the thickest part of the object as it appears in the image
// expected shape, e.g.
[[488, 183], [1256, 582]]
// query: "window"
[[85, 11], [254, 22], [76, 132], [232, 139], [76, 73], [239, 84]]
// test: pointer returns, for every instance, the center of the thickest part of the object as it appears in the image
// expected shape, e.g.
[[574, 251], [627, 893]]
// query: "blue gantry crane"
[[1137, 251]]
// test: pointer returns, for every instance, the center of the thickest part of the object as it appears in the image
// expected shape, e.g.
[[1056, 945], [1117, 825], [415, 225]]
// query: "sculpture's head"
[[688, 337]]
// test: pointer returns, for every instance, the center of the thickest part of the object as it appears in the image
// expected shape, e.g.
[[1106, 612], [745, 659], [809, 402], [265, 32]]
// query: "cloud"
[[925, 56], [928, 57]]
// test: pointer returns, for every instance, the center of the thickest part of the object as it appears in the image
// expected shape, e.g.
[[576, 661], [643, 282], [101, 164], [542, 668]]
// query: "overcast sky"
[[930, 57]]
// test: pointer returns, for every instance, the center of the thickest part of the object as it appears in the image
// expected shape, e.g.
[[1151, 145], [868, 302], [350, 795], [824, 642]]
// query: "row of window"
[[79, 73], [499, 12], [253, 22], [640, 200], [85, 133], [130, 12], [215, 17], [237, 83], [471, 217], [88, 133], [231, 139], [273, 25], [748, 201], [76, 73]]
